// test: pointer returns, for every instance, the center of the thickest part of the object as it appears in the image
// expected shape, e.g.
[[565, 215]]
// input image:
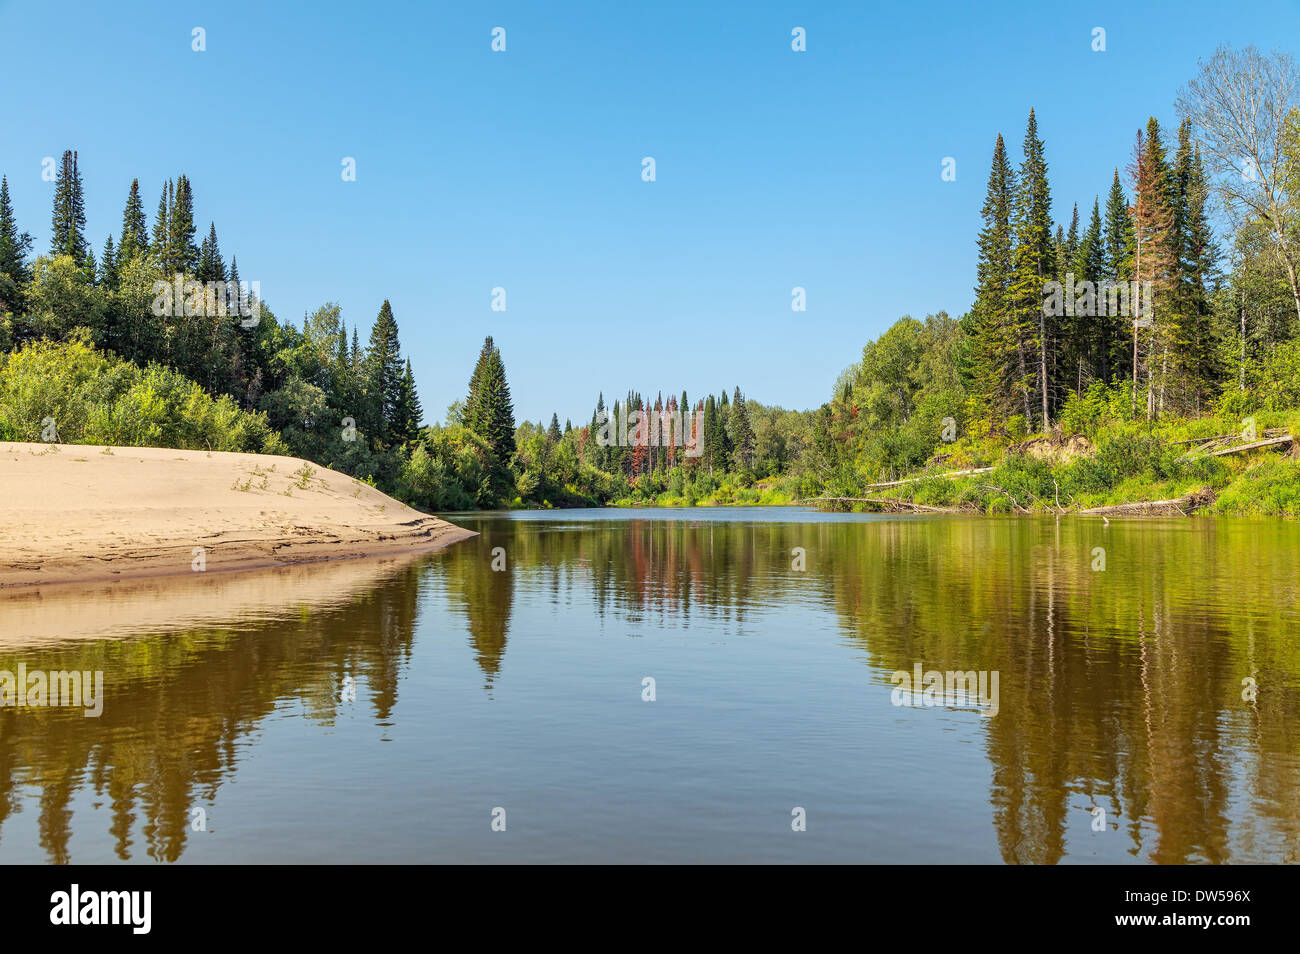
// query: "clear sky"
[[522, 169]]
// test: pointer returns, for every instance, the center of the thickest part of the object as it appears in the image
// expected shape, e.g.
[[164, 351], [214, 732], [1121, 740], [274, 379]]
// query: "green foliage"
[[1099, 406], [1134, 452], [97, 398], [489, 413], [1272, 488]]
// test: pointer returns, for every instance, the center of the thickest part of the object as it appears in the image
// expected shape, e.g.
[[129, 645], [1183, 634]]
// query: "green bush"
[[96, 397], [1098, 406]]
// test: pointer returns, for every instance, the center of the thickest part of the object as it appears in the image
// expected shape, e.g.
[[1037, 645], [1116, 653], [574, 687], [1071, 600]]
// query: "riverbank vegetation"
[[1104, 337]]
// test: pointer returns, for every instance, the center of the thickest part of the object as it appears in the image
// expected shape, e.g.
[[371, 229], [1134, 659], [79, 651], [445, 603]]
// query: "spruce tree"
[[408, 412], [204, 268], [185, 253], [14, 246], [489, 412], [997, 359], [1034, 262], [108, 265], [1093, 334], [712, 439], [211, 267], [553, 432], [1119, 234], [162, 231], [688, 421], [613, 450], [1118, 248], [1202, 255], [384, 378], [742, 433], [68, 221], [723, 462], [1196, 348], [135, 235], [599, 452], [1072, 237], [1155, 261]]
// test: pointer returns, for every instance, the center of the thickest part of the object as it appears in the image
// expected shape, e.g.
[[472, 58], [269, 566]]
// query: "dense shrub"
[[94, 397]]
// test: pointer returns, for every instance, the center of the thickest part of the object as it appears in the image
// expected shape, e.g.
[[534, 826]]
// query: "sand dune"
[[75, 513]]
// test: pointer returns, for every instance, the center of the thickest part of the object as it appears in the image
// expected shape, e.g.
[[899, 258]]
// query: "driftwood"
[[889, 504], [1182, 505], [912, 480]]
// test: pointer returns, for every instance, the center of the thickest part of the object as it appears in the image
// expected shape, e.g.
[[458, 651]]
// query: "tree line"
[[1176, 297]]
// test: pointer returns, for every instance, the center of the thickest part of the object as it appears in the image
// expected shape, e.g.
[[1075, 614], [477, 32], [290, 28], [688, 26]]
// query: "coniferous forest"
[[1121, 325]]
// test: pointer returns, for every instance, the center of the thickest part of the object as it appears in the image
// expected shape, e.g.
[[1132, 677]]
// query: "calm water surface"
[[1119, 689]]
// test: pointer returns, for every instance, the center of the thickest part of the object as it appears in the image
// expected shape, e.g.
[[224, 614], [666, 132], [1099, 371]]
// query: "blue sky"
[[522, 169]]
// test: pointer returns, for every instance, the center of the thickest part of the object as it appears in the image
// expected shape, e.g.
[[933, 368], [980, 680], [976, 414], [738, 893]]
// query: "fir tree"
[[553, 432], [1155, 261], [997, 357], [408, 413], [741, 432], [108, 265], [1072, 237], [489, 412], [135, 236], [1196, 345], [181, 240], [724, 439], [599, 452], [211, 266], [1119, 234], [14, 246], [1093, 333], [68, 222], [384, 378], [1033, 265], [712, 439], [1118, 249], [613, 451], [162, 230]]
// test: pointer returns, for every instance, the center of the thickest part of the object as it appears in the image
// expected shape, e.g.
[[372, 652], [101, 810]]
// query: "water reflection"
[[1120, 689]]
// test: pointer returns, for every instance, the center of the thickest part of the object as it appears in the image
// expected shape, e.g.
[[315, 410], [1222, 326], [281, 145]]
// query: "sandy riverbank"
[[76, 514]]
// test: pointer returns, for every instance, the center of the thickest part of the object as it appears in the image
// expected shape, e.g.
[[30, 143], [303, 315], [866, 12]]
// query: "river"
[[682, 686]]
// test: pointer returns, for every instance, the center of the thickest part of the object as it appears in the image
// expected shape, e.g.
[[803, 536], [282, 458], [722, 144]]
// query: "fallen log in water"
[[912, 480], [888, 504], [1178, 505]]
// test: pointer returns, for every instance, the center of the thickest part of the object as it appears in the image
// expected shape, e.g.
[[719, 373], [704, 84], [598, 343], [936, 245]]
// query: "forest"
[[1161, 310]]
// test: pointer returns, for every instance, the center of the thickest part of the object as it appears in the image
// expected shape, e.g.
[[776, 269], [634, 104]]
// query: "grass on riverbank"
[[1118, 463], [1097, 464]]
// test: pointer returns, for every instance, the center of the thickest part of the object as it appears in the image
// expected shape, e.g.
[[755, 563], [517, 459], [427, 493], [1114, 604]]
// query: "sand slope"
[[77, 513]]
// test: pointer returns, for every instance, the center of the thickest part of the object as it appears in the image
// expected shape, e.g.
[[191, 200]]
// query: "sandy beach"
[[80, 513]]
